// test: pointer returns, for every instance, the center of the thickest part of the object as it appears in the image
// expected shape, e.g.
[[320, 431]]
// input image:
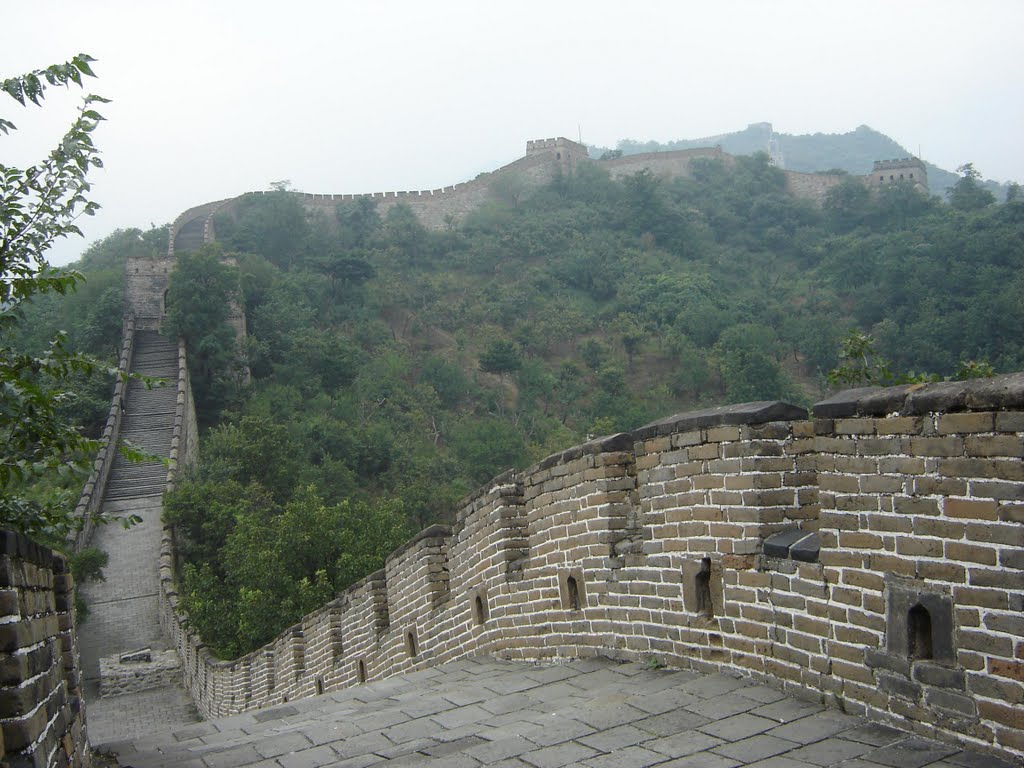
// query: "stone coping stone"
[[436, 531], [793, 544], [19, 545], [997, 393], [740, 414]]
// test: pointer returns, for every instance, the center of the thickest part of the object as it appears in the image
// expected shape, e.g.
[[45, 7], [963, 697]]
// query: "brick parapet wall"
[[91, 499], [651, 544], [42, 721]]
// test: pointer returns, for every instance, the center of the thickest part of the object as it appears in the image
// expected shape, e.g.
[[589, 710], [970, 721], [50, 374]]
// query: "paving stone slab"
[[911, 752], [755, 748], [598, 724]]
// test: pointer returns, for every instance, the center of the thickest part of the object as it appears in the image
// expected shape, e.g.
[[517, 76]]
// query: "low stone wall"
[[42, 720], [873, 554], [91, 500], [119, 676]]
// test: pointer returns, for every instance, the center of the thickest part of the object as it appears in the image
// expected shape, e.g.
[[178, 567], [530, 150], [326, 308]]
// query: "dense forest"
[[393, 369]]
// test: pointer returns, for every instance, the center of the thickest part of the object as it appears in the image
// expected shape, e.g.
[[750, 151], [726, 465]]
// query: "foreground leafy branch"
[[38, 205]]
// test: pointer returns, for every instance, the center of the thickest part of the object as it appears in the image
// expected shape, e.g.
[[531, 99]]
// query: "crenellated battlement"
[[752, 538]]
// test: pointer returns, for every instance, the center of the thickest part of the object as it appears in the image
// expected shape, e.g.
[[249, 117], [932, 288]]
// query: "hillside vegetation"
[[394, 369]]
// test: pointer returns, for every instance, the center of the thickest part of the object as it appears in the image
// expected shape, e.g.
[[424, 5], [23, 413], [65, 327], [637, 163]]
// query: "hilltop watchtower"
[[565, 152], [906, 169]]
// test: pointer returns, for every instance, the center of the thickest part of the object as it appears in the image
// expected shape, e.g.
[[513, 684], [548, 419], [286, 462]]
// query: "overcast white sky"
[[213, 98]]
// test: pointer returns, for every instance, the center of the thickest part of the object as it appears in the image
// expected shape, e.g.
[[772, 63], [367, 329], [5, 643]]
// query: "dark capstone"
[[1003, 392], [939, 675], [842, 404], [997, 393], [806, 550], [941, 396], [729, 415], [886, 401], [143, 654], [794, 544], [778, 544]]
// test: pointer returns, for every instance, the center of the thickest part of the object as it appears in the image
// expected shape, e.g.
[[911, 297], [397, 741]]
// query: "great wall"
[[870, 553]]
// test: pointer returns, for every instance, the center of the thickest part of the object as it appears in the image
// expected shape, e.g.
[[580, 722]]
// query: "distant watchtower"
[[909, 169], [565, 152]]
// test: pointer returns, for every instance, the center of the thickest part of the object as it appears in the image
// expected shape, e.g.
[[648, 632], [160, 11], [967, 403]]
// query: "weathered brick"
[[899, 425], [864, 580], [1014, 670], [970, 553], [1004, 469], [1012, 421], [919, 547], [859, 540], [939, 486], [995, 445], [944, 529], [986, 598], [913, 505], [854, 426], [1011, 513], [996, 533], [880, 446], [901, 465], [936, 446], [997, 490], [975, 509], [1012, 717], [939, 571], [954, 423]]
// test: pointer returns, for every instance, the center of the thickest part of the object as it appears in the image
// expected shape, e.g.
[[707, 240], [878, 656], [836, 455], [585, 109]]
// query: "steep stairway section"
[[190, 236], [124, 613], [148, 419]]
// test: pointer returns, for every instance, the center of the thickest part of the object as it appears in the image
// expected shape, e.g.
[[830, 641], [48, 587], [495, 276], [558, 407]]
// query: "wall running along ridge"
[[873, 554], [545, 159], [42, 720]]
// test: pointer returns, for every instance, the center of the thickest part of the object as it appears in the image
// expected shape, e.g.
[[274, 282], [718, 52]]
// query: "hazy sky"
[[213, 98]]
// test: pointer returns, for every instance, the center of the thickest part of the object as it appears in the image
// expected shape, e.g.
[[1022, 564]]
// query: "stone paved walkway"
[[123, 612], [588, 713], [123, 609]]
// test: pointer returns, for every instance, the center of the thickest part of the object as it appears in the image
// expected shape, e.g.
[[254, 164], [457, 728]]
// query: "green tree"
[[199, 300], [500, 357], [40, 204], [968, 194]]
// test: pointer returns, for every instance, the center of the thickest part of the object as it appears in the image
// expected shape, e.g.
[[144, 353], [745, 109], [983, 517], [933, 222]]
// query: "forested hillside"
[[393, 369]]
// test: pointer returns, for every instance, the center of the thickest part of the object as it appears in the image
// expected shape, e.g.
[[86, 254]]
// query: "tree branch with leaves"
[[38, 205]]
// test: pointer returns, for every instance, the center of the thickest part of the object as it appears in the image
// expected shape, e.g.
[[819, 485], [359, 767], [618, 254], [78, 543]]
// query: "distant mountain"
[[853, 152]]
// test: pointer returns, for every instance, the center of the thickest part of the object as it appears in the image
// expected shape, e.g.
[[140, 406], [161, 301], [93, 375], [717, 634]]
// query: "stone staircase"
[[124, 613], [190, 236], [148, 419]]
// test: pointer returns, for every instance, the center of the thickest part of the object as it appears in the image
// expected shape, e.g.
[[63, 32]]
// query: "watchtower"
[[905, 169], [564, 152]]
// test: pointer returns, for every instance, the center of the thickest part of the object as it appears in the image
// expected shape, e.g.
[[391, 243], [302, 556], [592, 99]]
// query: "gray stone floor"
[[123, 612], [588, 713], [123, 616]]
